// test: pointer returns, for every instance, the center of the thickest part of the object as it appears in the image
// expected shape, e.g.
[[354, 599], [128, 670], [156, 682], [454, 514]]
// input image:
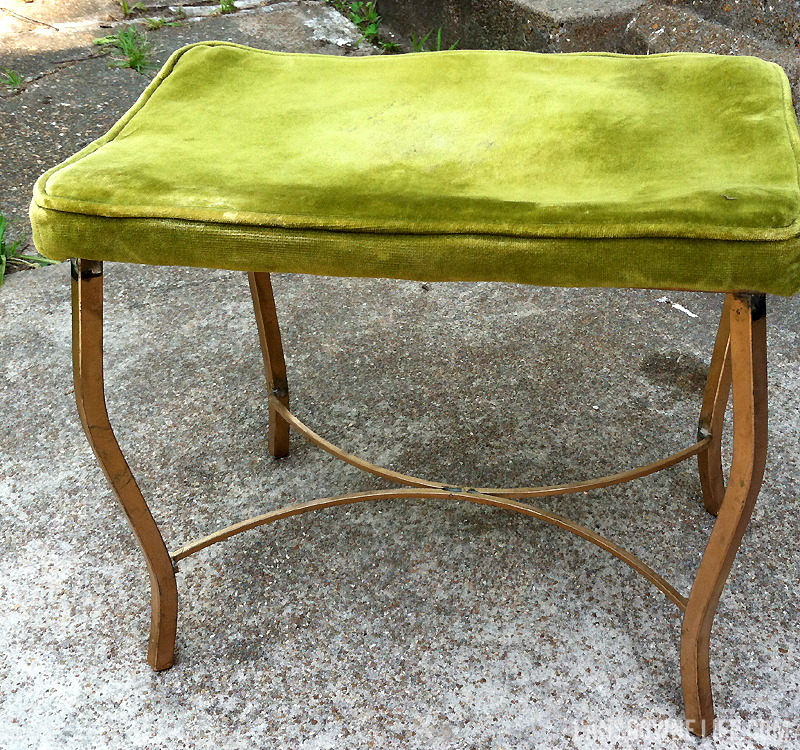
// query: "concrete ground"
[[419, 624]]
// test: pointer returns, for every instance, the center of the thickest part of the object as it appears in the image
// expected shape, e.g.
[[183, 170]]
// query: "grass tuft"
[[364, 14], [10, 78], [419, 44], [9, 255], [129, 10], [156, 23], [132, 48]]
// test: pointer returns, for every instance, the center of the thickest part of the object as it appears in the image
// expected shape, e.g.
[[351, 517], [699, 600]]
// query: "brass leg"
[[87, 352], [269, 335], [712, 415], [749, 375]]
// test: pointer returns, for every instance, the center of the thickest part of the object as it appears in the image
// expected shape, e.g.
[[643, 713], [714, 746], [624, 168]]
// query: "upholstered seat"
[[667, 171], [670, 170]]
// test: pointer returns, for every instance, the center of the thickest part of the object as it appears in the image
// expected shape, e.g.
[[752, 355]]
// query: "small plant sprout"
[[419, 44], [366, 18], [132, 47], [129, 10], [9, 255], [226, 6], [10, 78], [156, 23], [364, 15], [439, 47]]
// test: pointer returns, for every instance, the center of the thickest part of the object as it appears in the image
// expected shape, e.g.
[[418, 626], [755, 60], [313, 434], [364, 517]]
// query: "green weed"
[[129, 10], [10, 256], [419, 44], [366, 18], [226, 6], [10, 78], [133, 48], [156, 23], [364, 14]]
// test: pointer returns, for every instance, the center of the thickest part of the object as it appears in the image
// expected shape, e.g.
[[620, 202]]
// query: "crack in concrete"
[[26, 18], [60, 64]]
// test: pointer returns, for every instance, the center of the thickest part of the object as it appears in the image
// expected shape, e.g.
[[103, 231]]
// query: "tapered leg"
[[87, 352], [749, 375], [712, 415], [269, 335]]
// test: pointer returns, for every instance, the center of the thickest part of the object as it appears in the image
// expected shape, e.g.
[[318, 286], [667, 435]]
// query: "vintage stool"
[[675, 171]]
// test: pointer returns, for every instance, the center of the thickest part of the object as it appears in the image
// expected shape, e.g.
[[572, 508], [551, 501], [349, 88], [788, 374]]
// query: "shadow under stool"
[[676, 171]]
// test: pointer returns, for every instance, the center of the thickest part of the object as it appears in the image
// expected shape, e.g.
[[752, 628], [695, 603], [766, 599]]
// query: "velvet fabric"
[[588, 169]]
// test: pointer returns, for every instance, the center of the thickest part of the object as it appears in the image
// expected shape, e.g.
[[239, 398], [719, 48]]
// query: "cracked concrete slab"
[[52, 24], [562, 12], [775, 20]]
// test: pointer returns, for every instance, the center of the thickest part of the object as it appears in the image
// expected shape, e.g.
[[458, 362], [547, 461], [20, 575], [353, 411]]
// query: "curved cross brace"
[[452, 493], [508, 492]]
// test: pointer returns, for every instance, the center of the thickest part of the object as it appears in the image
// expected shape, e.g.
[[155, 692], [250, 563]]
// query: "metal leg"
[[749, 375], [712, 414], [269, 335], [87, 352]]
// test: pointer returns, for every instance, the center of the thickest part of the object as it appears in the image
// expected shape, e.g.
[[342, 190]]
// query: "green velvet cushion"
[[676, 170]]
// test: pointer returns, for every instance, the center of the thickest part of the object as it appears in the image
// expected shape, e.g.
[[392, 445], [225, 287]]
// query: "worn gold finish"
[[453, 493], [712, 414], [509, 492], [87, 354], [748, 356], [739, 360], [269, 335]]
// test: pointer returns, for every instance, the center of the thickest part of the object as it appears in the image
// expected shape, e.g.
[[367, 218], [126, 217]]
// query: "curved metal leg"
[[749, 370], [712, 415], [269, 335], [87, 352]]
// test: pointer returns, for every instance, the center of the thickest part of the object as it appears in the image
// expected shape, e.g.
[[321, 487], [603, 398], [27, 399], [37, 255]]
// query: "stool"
[[676, 171]]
